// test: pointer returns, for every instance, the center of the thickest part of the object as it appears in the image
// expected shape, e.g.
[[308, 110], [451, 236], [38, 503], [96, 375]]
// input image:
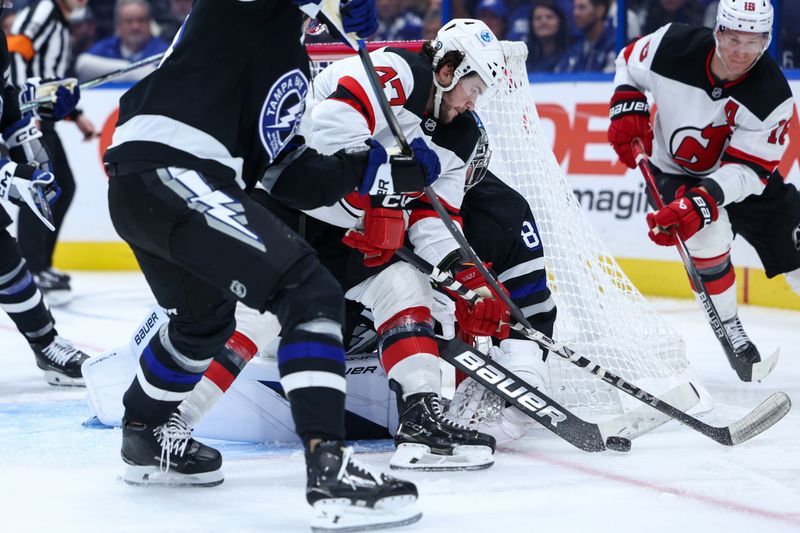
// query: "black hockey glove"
[[387, 175]]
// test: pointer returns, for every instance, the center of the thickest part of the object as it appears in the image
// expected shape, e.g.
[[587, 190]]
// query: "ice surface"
[[57, 475]]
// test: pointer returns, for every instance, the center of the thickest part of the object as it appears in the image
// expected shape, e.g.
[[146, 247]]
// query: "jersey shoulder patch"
[[460, 136], [422, 72]]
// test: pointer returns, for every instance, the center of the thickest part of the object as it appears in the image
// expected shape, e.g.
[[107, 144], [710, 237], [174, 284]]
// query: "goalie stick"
[[769, 412], [747, 372]]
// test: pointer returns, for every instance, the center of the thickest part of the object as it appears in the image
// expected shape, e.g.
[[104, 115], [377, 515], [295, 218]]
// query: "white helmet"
[[482, 51], [752, 16]]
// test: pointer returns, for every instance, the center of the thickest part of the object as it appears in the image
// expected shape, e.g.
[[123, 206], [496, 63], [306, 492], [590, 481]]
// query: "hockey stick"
[[769, 412], [94, 82], [753, 372]]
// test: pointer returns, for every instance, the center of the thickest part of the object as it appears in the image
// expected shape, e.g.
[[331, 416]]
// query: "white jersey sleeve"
[[634, 61]]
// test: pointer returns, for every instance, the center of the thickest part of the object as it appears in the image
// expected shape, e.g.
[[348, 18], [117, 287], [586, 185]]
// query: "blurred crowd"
[[562, 35]]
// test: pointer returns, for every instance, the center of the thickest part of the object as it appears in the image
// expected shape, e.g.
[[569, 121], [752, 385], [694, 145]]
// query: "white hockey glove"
[[23, 139], [23, 184]]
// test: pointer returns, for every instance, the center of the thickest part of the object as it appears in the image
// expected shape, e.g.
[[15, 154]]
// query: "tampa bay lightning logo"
[[486, 36], [280, 114], [796, 237]]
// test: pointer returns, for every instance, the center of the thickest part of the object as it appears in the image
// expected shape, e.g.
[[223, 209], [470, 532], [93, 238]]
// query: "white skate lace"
[[347, 459], [174, 437], [736, 332], [437, 410], [61, 351]]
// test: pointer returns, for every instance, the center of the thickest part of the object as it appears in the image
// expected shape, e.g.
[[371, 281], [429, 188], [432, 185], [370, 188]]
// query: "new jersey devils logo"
[[698, 150]]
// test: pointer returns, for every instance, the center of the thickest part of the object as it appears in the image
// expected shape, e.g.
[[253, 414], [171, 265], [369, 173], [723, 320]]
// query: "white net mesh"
[[601, 315]]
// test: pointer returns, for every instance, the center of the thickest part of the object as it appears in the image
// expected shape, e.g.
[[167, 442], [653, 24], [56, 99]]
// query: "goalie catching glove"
[[23, 184], [684, 216], [630, 120], [490, 315]]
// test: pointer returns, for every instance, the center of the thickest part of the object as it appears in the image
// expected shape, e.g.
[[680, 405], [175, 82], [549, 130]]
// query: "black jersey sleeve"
[[306, 179]]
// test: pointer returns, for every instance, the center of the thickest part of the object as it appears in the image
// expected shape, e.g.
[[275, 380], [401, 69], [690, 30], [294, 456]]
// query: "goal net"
[[601, 314]]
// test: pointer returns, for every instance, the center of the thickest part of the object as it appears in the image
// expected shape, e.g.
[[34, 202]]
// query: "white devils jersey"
[[342, 111], [734, 133]]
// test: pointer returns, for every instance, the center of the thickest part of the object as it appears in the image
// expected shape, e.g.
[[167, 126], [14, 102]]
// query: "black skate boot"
[[60, 361], [54, 286], [745, 352], [348, 497], [427, 440], [167, 455]]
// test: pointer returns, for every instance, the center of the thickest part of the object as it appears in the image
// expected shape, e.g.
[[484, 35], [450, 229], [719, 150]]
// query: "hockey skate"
[[427, 440], [60, 361], [55, 286], [167, 455], [480, 409], [745, 359], [348, 497]]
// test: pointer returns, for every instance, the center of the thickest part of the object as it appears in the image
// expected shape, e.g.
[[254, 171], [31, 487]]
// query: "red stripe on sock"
[[242, 345], [219, 376], [397, 351]]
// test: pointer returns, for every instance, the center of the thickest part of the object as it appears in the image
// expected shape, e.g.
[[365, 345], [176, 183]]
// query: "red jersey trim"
[[769, 166], [362, 103]]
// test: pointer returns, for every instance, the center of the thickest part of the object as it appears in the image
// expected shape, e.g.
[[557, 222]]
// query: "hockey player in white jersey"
[[721, 129], [429, 93]]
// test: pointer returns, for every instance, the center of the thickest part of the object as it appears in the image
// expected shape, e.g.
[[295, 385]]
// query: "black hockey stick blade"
[[544, 410]]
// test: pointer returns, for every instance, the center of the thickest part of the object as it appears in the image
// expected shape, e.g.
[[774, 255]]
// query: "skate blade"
[[419, 457], [57, 379], [338, 515], [763, 368], [152, 476]]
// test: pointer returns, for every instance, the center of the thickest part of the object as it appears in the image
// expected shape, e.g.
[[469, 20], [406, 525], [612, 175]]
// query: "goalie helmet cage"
[[601, 314]]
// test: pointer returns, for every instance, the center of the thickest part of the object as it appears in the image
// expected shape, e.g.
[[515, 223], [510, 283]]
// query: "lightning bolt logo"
[[287, 121]]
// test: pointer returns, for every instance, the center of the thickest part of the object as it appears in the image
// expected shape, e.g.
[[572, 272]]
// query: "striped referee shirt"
[[39, 43]]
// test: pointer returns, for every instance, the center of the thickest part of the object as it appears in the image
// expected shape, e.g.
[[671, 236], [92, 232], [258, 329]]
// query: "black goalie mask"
[[480, 162]]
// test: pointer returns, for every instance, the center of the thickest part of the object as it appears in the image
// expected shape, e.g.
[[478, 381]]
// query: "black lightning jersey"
[[227, 97]]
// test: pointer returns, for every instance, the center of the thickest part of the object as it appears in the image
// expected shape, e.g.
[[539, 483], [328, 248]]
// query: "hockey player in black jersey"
[[25, 181], [723, 112], [192, 138]]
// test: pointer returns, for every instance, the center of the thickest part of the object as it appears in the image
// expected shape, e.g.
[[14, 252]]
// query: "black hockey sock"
[[20, 297], [164, 378], [312, 367]]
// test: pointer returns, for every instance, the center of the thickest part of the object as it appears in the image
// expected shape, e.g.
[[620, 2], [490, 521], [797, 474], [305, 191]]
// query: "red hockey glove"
[[689, 214], [384, 232], [490, 315], [630, 119]]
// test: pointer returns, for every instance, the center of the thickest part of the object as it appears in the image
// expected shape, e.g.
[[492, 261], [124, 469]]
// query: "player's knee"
[[713, 240], [309, 293], [198, 340], [397, 287]]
